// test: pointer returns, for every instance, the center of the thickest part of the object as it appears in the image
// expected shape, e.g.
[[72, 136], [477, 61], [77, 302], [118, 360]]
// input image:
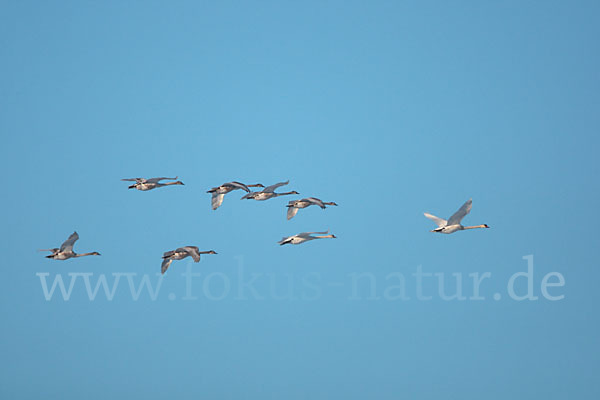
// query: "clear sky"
[[388, 108]]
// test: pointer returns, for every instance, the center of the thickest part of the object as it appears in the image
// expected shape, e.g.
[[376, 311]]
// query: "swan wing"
[[192, 251], [165, 265], [54, 250], [439, 222], [460, 214], [314, 200], [156, 180], [138, 180], [238, 185], [307, 234], [271, 189], [216, 200], [68, 244], [291, 212]]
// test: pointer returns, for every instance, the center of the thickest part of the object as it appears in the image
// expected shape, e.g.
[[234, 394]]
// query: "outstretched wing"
[[314, 200], [238, 185], [307, 234], [156, 180], [54, 250], [165, 265], [291, 212], [439, 222], [192, 251], [271, 189], [460, 214], [139, 180], [216, 200], [68, 244]]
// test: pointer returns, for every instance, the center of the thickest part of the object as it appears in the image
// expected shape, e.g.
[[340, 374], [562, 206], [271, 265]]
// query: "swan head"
[[94, 253], [294, 192], [333, 237], [212, 252], [485, 225], [132, 187], [178, 183]]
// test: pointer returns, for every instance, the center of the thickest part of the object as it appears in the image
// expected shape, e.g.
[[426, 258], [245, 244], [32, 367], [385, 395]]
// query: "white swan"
[[453, 224], [268, 192], [181, 253], [220, 191], [66, 250], [149, 184], [304, 237], [294, 205]]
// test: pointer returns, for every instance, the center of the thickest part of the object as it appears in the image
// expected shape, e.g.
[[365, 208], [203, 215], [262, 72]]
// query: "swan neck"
[[474, 227]]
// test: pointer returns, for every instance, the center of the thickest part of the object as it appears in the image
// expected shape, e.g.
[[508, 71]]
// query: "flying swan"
[[149, 184], [304, 237], [453, 224], [220, 191], [66, 250], [180, 254], [294, 205]]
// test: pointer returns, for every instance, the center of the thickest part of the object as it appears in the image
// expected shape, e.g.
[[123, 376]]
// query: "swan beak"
[[486, 225]]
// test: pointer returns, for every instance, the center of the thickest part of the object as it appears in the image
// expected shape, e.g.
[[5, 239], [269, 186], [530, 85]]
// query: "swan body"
[[220, 191], [453, 223], [268, 192], [66, 250], [294, 205], [181, 253], [304, 237], [149, 184]]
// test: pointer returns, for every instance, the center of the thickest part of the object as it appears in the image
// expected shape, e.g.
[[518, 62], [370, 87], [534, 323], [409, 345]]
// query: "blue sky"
[[389, 109]]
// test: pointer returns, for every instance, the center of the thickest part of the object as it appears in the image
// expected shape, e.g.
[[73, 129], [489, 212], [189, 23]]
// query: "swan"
[[268, 192], [294, 205], [149, 184], [180, 254], [66, 250], [220, 191], [304, 237], [453, 224]]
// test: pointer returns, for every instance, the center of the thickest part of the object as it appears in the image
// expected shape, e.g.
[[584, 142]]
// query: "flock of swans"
[[65, 252]]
